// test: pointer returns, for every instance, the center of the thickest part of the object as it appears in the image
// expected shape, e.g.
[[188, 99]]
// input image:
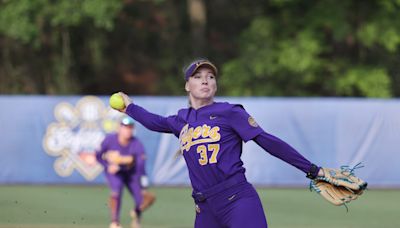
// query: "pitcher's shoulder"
[[182, 112], [228, 107]]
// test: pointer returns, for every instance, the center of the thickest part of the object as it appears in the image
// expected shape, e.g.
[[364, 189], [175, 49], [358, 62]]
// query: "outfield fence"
[[45, 139]]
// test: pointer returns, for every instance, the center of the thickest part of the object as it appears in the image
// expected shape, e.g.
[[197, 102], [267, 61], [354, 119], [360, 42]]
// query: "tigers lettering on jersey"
[[200, 134]]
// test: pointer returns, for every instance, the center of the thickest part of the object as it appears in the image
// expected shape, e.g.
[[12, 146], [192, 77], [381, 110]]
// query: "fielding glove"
[[339, 186]]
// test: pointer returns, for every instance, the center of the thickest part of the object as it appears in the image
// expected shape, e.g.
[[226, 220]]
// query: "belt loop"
[[198, 196]]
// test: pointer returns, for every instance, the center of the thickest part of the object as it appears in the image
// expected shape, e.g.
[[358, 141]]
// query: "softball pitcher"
[[211, 135], [123, 159]]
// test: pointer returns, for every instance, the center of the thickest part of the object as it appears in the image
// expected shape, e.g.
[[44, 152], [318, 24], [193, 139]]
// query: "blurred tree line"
[[263, 48]]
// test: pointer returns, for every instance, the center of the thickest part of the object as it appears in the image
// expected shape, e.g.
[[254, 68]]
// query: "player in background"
[[211, 135], [123, 158]]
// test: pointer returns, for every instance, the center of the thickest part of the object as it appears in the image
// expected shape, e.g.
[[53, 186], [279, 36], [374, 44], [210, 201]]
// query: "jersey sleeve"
[[152, 121], [102, 150], [243, 124], [280, 149], [140, 158]]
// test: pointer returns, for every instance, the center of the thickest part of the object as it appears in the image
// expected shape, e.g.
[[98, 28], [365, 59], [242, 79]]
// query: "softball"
[[116, 102]]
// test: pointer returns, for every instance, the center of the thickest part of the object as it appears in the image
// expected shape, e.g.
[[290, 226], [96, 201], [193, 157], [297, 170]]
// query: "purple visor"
[[191, 69]]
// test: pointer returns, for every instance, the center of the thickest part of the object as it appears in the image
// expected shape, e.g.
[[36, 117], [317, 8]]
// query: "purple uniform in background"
[[128, 175], [211, 140]]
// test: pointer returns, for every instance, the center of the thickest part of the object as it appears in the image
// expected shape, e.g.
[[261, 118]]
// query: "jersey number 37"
[[205, 150]]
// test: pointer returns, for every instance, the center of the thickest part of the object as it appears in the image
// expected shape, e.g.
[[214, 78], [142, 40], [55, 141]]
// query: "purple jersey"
[[211, 140], [134, 148], [128, 175]]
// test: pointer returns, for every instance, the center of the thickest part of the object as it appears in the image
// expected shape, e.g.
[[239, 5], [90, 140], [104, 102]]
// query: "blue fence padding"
[[44, 138]]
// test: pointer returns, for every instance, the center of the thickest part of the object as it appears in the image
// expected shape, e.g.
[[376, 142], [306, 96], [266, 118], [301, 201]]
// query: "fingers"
[[340, 177], [127, 100]]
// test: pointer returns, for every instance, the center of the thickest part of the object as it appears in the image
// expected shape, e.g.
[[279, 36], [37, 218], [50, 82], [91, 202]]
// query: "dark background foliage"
[[263, 48]]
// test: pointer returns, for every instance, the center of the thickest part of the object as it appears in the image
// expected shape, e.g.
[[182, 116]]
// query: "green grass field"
[[86, 207]]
